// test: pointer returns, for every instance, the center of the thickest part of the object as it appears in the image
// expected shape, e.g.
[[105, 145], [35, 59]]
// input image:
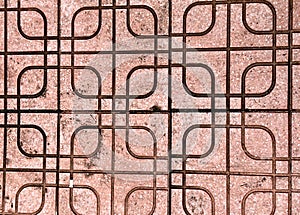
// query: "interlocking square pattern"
[[150, 107]]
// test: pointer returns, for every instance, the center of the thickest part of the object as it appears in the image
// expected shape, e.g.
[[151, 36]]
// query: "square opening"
[[120, 104], [235, 119], [177, 179], [64, 163], [52, 45], [282, 183], [121, 2], [177, 42], [11, 104], [282, 55], [65, 60], [106, 104], [120, 119], [282, 40], [176, 164], [12, 4], [64, 178], [51, 59], [51, 177], [296, 182], [162, 181], [106, 119], [296, 55], [1, 118], [51, 163], [12, 118], [65, 45], [235, 103], [162, 166], [282, 167], [296, 166], [296, 39]]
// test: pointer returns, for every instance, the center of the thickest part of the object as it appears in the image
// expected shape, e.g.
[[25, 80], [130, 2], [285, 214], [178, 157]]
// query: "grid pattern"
[[101, 102]]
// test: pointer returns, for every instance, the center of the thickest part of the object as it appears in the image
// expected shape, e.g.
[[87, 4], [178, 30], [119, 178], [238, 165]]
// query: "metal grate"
[[149, 107]]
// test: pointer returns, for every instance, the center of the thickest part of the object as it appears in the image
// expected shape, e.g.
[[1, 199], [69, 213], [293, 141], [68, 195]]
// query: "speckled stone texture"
[[150, 107]]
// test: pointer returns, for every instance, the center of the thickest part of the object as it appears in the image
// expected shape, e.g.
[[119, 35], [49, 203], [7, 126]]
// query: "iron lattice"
[[224, 74]]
